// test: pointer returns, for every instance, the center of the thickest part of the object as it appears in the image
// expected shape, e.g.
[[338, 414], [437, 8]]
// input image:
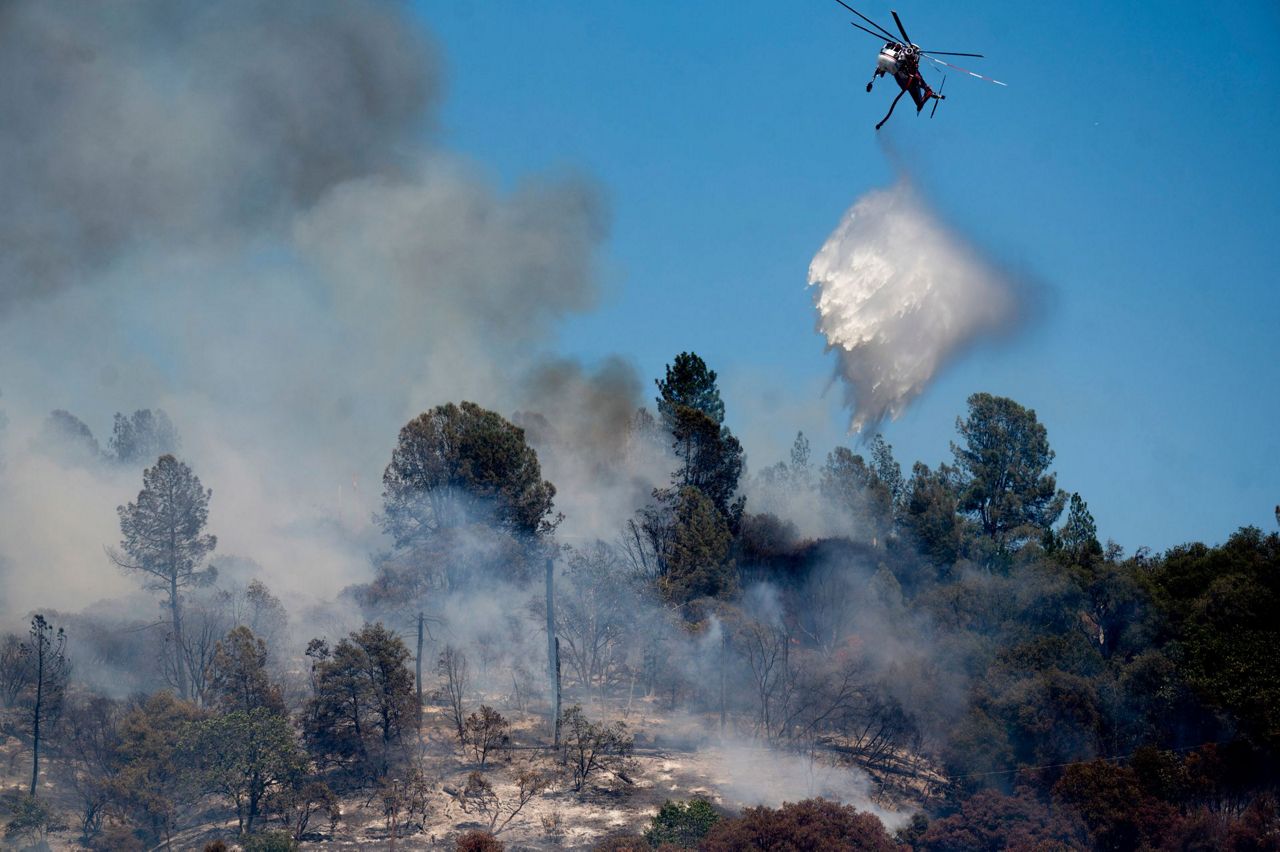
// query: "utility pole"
[[418, 664], [557, 704], [553, 652], [724, 647]]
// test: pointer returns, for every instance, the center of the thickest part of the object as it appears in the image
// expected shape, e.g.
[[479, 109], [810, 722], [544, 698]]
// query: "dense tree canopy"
[[699, 562], [458, 465], [811, 824], [244, 756], [1222, 605], [856, 489], [363, 700], [142, 436]]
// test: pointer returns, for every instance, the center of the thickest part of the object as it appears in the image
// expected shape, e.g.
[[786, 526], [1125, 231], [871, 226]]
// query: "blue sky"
[[1130, 167]]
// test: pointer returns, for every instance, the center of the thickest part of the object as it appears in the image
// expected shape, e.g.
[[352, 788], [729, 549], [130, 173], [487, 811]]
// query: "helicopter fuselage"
[[895, 58]]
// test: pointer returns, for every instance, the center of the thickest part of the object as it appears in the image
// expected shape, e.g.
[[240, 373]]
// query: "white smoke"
[[899, 295]]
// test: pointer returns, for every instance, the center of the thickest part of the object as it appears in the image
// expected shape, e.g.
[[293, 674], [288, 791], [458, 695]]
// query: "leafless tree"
[[15, 671], [590, 747], [453, 669], [297, 806], [406, 803], [480, 797], [205, 621], [594, 612], [767, 650], [90, 733], [800, 693]]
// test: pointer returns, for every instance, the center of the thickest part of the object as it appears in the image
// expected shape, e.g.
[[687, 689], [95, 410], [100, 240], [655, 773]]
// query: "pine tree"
[[164, 541]]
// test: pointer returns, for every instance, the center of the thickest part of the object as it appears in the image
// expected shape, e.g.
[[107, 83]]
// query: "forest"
[[947, 657]]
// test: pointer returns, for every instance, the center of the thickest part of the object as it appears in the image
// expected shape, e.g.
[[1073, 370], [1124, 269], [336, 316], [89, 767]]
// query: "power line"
[[1080, 762]]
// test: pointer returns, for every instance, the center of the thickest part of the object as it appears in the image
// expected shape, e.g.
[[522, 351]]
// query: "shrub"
[[991, 820], [479, 841], [31, 822], [269, 841], [811, 824], [629, 842], [682, 823], [119, 838]]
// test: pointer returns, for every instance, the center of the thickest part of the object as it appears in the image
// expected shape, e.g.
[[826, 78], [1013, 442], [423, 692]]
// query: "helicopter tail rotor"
[[937, 100]]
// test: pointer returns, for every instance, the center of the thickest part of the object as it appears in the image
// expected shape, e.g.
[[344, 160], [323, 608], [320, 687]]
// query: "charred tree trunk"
[[36, 713], [418, 664], [553, 652], [175, 613]]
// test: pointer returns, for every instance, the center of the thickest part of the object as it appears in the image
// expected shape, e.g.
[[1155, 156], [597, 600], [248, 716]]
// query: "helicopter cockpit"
[[895, 57]]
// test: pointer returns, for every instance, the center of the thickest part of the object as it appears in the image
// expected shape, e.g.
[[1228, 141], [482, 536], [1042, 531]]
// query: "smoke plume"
[[900, 295], [237, 212]]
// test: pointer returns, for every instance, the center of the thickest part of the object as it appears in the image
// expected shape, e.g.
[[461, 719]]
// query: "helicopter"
[[901, 59]]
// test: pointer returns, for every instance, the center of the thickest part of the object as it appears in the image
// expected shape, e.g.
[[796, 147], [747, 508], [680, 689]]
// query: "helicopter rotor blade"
[[938, 100], [948, 53], [901, 28], [865, 30], [884, 33], [966, 71]]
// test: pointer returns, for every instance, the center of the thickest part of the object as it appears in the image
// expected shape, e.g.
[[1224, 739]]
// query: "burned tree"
[[591, 747], [46, 652], [452, 667], [14, 669], [595, 613], [91, 725], [164, 541]]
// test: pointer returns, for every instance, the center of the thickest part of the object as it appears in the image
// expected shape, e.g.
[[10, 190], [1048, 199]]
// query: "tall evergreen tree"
[[1004, 464], [1077, 539], [929, 513], [711, 458], [164, 541], [688, 383], [699, 561], [849, 483]]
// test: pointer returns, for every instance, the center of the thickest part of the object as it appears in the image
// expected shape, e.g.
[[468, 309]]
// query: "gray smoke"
[[131, 123], [236, 212]]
